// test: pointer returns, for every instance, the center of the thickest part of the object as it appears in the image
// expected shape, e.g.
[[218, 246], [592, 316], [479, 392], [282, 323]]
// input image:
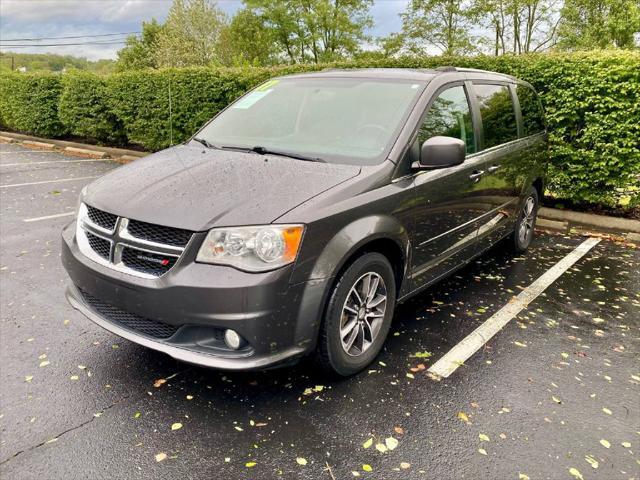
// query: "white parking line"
[[481, 335], [47, 181], [47, 217], [52, 161]]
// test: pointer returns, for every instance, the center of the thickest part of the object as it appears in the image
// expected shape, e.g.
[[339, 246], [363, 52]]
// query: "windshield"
[[338, 120]]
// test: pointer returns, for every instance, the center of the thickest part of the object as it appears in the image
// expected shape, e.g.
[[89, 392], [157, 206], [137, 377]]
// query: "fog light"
[[232, 339]]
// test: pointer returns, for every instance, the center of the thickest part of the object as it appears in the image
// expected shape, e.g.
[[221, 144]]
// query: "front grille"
[[99, 245], [159, 234], [128, 320], [102, 219], [147, 262]]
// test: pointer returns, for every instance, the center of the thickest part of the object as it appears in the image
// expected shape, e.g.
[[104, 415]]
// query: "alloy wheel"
[[528, 217], [363, 314]]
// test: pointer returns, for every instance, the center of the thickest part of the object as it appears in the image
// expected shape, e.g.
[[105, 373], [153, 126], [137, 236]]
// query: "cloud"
[[107, 11]]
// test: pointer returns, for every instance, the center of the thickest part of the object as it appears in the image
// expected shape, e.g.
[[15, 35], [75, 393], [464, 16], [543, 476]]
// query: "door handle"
[[493, 168], [475, 176]]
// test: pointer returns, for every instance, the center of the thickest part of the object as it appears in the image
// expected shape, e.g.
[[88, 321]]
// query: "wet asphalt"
[[554, 395]]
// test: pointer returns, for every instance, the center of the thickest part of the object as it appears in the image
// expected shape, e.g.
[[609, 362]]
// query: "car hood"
[[198, 188]]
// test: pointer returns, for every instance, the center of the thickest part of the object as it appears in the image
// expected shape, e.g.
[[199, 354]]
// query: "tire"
[[351, 352], [526, 222]]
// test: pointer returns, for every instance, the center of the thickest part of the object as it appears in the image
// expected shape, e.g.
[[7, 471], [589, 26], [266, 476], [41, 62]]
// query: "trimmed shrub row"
[[592, 103]]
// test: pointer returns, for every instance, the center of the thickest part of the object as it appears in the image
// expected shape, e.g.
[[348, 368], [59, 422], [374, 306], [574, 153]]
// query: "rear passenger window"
[[498, 116], [449, 116], [532, 116]]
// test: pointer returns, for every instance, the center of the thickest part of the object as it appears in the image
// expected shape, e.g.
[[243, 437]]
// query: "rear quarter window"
[[498, 115], [532, 114]]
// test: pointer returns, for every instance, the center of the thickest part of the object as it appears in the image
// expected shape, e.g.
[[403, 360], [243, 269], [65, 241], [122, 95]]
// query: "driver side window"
[[449, 116]]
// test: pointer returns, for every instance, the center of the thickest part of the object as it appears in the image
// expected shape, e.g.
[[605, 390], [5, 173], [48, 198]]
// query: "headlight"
[[256, 249]]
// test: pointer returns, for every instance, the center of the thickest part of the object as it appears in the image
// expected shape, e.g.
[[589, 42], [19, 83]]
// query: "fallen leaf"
[[367, 468], [520, 344], [367, 443], [483, 437], [522, 476], [576, 473], [391, 443], [381, 447], [250, 464], [44, 363], [160, 457], [176, 426], [404, 465], [605, 443], [591, 461], [463, 416], [28, 378], [482, 451], [189, 397], [158, 383], [606, 410], [398, 430], [626, 444], [556, 399], [301, 461]]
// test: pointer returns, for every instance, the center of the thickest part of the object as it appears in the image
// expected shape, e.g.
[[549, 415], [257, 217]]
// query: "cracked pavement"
[[554, 395]]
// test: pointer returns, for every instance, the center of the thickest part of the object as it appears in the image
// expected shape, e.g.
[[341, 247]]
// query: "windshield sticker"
[[267, 85], [248, 100]]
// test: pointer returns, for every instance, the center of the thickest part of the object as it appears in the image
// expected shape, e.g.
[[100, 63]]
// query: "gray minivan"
[[295, 220]]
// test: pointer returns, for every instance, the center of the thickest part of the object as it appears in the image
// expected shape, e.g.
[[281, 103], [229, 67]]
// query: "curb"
[[568, 220], [73, 148]]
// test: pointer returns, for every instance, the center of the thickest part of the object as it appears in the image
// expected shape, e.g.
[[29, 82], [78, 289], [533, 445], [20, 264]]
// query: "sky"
[[56, 18]]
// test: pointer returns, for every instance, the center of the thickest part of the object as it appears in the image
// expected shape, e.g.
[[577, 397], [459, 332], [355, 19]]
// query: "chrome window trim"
[[119, 238]]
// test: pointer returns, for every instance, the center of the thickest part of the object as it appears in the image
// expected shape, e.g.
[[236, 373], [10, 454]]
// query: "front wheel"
[[358, 315], [526, 222]]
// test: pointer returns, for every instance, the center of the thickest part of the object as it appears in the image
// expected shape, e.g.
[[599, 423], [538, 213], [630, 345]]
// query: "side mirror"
[[440, 152]]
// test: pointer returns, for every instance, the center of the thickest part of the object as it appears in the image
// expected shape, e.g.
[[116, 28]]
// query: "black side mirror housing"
[[441, 152]]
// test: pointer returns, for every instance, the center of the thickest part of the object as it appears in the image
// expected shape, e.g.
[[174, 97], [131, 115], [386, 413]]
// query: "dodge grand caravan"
[[296, 219]]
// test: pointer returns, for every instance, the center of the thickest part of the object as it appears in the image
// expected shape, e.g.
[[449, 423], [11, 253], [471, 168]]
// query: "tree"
[[191, 34], [588, 24], [315, 30], [247, 40], [444, 24], [139, 53]]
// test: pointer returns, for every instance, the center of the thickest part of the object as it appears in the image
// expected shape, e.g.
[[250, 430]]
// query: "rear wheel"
[[358, 315], [526, 222]]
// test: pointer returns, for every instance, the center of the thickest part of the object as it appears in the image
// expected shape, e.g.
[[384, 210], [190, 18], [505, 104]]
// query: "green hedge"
[[29, 103], [592, 102], [85, 109]]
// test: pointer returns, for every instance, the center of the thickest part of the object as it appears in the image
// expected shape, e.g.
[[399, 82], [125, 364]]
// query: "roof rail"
[[448, 68]]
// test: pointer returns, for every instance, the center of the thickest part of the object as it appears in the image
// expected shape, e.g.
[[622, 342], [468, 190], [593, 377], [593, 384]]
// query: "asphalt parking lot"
[[554, 395]]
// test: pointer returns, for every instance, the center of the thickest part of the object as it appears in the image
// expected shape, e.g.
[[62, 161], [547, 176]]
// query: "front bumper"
[[279, 321]]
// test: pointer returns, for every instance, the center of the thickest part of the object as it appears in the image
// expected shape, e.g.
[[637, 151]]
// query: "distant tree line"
[[271, 32], [51, 62], [274, 32]]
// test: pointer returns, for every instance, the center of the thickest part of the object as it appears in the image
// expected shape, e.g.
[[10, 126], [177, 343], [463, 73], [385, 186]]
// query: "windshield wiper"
[[203, 142], [267, 151]]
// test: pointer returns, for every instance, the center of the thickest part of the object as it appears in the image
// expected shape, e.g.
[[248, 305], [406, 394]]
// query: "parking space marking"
[[47, 181], [53, 161], [481, 335], [47, 217]]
